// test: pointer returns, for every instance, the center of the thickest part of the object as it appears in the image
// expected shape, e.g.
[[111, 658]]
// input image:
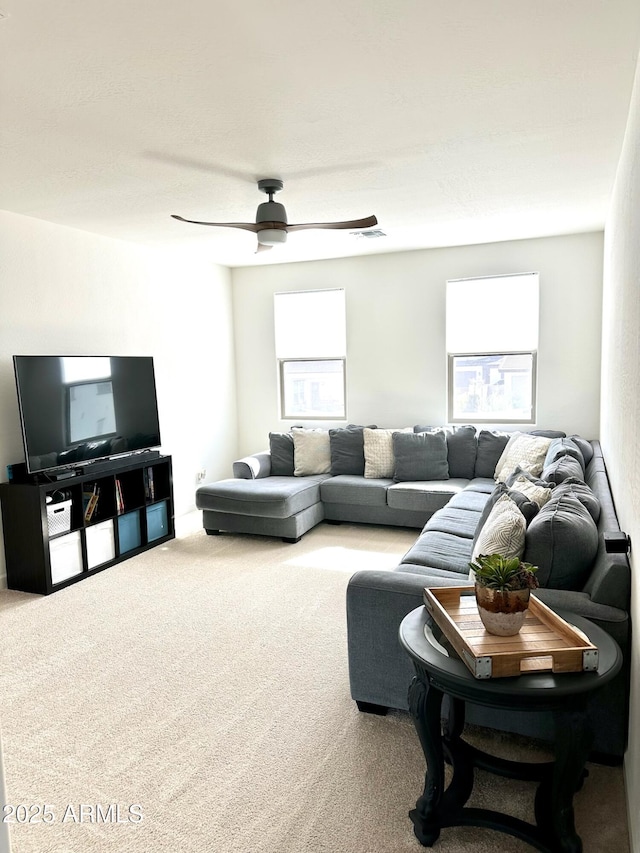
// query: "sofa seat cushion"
[[352, 489], [440, 551], [424, 495], [469, 499], [481, 484], [269, 497], [435, 577], [460, 522]]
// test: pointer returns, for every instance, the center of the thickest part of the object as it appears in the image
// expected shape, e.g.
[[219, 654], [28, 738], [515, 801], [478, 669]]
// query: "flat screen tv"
[[76, 409]]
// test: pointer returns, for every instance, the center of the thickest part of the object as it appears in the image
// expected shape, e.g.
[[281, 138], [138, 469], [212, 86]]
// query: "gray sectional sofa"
[[271, 494]]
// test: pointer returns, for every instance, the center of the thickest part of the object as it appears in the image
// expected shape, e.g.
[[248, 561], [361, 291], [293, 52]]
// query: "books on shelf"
[[149, 486], [90, 499], [119, 498]]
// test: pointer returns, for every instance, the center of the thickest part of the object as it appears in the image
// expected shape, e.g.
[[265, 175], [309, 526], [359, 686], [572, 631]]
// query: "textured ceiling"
[[454, 122]]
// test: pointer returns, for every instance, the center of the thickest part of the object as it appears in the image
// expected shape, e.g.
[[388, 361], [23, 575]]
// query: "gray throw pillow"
[[490, 447], [562, 469], [347, 450], [462, 448], [281, 447], [548, 433], [562, 540], [420, 456], [563, 447]]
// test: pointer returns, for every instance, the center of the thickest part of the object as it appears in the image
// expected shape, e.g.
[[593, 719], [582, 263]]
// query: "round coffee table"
[[440, 672]]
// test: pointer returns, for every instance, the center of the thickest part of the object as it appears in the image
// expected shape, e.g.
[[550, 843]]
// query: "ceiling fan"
[[271, 226]]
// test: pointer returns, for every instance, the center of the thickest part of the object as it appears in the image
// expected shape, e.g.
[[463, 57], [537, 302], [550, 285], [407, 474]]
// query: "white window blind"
[[493, 314], [310, 324]]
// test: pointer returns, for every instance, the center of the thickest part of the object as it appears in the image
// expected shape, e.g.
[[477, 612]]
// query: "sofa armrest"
[[380, 671], [377, 601], [253, 467], [612, 619]]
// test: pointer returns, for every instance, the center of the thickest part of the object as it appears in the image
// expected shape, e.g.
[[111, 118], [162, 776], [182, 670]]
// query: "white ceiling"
[[453, 121]]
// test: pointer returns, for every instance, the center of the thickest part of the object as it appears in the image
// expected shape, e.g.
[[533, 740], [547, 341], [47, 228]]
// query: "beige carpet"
[[206, 682]]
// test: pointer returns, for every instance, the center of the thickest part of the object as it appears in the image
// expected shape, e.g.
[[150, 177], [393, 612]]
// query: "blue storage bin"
[[129, 531], [157, 522]]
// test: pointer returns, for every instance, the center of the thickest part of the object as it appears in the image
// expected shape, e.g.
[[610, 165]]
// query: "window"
[[492, 342], [310, 335]]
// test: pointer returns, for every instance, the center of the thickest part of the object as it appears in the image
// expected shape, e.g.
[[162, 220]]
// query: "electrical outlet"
[[201, 476]]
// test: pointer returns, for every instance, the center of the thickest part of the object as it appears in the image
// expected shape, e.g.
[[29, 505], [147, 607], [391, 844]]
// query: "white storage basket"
[[59, 517]]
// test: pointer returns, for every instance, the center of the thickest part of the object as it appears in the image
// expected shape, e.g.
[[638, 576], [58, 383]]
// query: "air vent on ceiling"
[[371, 233]]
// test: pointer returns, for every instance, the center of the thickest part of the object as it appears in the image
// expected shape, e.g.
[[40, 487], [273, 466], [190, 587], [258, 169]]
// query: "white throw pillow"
[[379, 459], [503, 532], [524, 450], [311, 452], [537, 494]]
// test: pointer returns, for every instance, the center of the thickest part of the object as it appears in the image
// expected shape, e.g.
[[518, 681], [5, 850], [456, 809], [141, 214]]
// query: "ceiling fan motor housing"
[[271, 211]]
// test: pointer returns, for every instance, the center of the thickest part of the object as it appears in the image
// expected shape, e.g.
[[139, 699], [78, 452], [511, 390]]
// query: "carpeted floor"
[[203, 687]]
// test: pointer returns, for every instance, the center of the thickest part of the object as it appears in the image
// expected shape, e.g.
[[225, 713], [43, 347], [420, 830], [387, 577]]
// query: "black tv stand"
[[51, 539]]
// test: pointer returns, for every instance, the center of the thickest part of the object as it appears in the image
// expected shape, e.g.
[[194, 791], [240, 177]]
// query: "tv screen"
[[76, 409]]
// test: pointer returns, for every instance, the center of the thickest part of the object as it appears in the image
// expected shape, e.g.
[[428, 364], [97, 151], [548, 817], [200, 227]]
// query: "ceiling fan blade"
[[367, 222], [246, 226], [262, 247]]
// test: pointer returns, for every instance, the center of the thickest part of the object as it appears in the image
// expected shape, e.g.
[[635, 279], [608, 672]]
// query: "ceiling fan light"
[[272, 236]]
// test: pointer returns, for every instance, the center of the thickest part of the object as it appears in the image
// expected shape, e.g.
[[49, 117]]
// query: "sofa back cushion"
[[578, 489], [560, 447], [562, 540], [586, 448], [420, 456], [562, 469]]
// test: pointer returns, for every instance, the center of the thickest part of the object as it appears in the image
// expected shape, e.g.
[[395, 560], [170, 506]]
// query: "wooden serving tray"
[[546, 643]]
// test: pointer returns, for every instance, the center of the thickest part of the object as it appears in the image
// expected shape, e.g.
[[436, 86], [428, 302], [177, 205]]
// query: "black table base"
[[437, 808]]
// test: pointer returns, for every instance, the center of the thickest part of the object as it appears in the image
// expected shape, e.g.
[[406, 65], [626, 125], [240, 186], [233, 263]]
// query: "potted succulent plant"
[[503, 586]]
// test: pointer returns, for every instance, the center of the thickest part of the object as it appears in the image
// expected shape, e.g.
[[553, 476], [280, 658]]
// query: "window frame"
[[491, 420], [304, 416]]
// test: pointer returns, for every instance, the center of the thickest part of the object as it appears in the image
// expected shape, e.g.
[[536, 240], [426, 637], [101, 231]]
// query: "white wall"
[[396, 366], [67, 291], [621, 398]]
